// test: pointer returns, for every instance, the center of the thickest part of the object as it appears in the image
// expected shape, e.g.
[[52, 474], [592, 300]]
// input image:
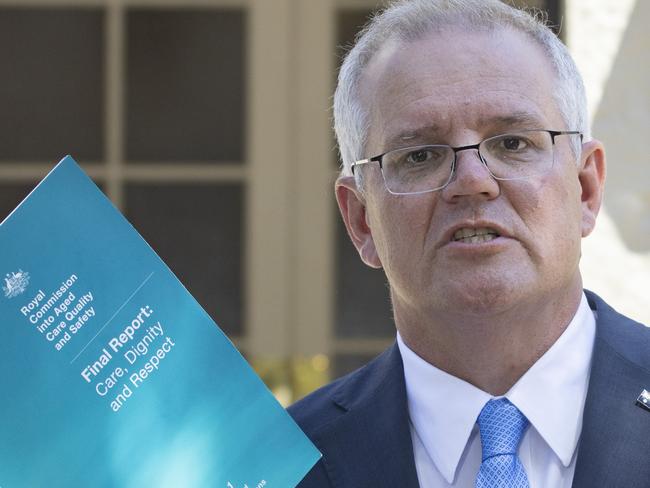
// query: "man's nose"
[[471, 178]]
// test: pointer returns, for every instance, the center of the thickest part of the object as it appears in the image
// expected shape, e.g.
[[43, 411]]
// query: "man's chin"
[[484, 297]]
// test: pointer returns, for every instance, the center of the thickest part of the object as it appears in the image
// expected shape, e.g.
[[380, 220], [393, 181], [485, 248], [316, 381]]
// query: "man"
[[470, 177]]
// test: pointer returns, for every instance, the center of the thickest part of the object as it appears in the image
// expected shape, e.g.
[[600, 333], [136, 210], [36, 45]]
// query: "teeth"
[[473, 236], [477, 239]]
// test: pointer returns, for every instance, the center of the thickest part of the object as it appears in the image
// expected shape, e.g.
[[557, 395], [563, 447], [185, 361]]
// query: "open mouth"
[[470, 235]]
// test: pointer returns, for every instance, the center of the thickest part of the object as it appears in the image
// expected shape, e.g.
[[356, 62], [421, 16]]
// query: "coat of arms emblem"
[[15, 283]]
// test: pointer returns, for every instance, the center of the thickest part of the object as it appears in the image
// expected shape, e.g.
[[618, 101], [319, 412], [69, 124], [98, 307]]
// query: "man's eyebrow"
[[433, 132], [408, 135], [524, 120]]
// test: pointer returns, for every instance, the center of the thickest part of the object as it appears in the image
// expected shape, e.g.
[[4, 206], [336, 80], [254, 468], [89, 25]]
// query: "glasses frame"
[[379, 158]]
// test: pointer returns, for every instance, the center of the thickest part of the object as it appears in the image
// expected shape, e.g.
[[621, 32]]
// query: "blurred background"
[[207, 123]]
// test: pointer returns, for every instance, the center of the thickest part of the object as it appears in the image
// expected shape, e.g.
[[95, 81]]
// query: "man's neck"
[[490, 351]]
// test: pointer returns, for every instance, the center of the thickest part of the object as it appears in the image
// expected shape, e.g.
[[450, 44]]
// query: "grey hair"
[[410, 20]]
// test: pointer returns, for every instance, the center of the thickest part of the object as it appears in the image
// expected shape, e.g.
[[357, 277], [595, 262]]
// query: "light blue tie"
[[502, 426]]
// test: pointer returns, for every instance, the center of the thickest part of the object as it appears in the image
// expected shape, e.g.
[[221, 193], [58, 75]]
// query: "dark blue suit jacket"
[[360, 422]]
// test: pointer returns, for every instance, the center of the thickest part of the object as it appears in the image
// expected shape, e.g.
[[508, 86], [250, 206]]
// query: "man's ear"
[[352, 205], [591, 175]]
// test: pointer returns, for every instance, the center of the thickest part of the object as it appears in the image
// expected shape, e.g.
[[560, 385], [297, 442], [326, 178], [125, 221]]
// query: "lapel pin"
[[644, 400]]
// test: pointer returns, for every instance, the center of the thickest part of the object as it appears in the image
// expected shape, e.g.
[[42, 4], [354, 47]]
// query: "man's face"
[[459, 88]]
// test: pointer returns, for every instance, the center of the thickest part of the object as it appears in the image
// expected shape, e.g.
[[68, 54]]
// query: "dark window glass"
[[186, 85], [197, 231], [52, 89], [362, 298], [349, 22], [552, 8], [11, 195], [346, 363]]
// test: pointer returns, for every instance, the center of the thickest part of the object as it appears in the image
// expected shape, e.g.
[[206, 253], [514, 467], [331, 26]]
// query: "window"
[[206, 122]]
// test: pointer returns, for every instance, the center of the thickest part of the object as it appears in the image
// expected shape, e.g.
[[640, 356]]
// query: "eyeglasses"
[[513, 156]]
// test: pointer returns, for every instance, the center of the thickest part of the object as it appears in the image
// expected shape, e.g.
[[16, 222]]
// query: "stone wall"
[[609, 40]]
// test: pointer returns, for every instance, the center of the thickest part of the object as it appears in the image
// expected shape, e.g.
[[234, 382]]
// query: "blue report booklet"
[[111, 374]]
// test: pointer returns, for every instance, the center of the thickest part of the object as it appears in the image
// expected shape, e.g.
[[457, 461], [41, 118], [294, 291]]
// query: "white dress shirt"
[[443, 410]]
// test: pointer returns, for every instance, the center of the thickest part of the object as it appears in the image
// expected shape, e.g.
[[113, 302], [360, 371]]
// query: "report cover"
[[111, 374]]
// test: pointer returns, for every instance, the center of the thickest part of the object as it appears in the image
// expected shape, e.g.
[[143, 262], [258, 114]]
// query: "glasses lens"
[[518, 155], [417, 169]]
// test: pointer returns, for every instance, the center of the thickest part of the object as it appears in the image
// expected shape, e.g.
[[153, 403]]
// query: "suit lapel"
[[370, 445], [613, 447]]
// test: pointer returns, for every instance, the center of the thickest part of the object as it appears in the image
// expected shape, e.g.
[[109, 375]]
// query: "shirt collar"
[[443, 409], [562, 374]]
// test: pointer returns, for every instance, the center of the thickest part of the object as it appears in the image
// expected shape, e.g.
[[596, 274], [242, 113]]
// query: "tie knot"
[[502, 426]]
